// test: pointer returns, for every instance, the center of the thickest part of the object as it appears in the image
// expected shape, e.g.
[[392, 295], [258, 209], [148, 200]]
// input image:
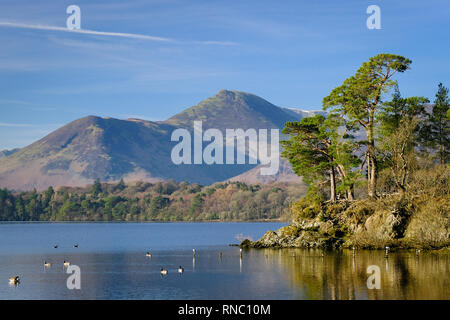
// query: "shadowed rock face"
[[110, 149]]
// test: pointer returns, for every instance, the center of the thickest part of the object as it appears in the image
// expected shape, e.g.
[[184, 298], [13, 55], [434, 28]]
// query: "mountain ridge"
[[110, 149]]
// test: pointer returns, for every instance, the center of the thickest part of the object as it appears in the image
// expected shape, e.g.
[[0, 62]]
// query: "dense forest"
[[377, 167], [142, 201]]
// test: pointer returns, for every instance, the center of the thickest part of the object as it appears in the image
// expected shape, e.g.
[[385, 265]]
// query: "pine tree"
[[309, 150], [96, 188], [439, 129], [359, 99]]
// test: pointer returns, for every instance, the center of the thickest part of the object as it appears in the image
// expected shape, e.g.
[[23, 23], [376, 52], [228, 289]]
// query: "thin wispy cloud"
[[15, 125], [26, 125], [84, 31], [27, 105], [108, 34]]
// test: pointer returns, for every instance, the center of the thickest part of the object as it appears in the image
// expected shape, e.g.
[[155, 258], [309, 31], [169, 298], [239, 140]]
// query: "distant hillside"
[[110, 149], [5, 153]]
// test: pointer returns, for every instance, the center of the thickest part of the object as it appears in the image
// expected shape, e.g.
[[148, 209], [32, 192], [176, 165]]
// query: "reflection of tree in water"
[[404, 276], [319, 274]]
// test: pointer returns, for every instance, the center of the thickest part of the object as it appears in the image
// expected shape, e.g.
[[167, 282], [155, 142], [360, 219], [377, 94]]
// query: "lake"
[[113, 265]]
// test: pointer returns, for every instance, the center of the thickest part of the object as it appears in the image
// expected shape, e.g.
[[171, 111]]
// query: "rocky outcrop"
[[292, 236], [394, 221]]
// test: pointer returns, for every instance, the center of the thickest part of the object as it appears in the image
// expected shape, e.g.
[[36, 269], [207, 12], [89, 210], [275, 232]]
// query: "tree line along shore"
[[161, 201]]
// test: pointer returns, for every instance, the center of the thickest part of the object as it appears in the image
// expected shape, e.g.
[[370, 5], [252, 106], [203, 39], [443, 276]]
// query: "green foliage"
[[401, 130], [438, 133], [162, 201], [324, 152], [309, 150], [359, 99], [120, 186], [96, 188]]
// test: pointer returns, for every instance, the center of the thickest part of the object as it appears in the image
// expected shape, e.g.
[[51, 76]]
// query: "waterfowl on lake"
[[47, 264], [148, 255], [55, 246], [164, 272], [75, 245], [66, 263], [180, 269], [14, 280]]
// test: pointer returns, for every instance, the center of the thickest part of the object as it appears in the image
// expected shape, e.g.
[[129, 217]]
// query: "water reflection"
[[114, 265], [258, 274], [343, 274]]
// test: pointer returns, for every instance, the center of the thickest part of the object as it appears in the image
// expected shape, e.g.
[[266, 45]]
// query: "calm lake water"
[[113, 265]]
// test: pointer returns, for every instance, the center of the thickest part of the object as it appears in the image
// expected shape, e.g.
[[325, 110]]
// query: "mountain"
[[110, 149], [233, 109], [253, 176]]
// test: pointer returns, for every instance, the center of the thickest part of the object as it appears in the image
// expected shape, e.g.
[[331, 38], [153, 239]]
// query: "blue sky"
[[292, 53]]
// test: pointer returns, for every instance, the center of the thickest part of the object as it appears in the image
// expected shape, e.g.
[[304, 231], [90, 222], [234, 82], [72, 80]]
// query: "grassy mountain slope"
[[110, 149], [233, 109]]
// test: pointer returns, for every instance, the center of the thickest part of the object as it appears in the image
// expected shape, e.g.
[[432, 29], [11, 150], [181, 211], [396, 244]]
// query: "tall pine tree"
[[439, 128]]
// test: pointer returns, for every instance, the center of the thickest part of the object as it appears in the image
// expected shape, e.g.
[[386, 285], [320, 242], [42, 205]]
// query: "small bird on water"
[[164, 272], [55, 246], [66, 263], [180, 269], [148, 255], [47, 264], [14, 280], [75, 245]]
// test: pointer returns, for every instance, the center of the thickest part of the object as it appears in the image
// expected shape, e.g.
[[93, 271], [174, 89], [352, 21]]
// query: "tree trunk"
[[350, 193], [373, 177], [332, 185], [372, 163]]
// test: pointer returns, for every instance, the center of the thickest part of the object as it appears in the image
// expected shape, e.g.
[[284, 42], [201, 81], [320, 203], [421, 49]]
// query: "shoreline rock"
[[395, 221]]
